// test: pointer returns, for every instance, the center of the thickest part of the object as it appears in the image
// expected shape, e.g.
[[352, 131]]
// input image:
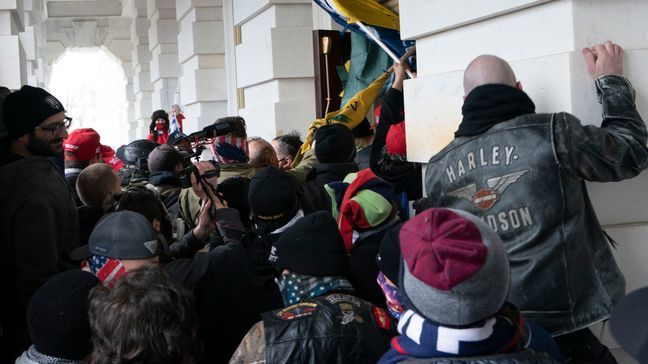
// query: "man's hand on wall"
[[604, 59]]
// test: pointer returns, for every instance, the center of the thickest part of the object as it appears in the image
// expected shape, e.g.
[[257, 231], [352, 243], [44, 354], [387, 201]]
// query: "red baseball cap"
[[107, 151], [114, 162], [82, 145]]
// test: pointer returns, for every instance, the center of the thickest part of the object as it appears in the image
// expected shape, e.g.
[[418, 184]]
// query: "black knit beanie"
[[26, 108], [312, 246], [334, 143], [57, 315], [363, 129], [389, 255], [272, 198]]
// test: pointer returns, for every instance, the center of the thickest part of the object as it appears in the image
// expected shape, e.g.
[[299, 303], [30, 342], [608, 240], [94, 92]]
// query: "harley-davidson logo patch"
[[485, 198]]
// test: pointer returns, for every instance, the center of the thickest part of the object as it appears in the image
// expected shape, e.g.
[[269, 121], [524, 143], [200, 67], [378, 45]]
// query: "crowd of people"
[[220, 248]]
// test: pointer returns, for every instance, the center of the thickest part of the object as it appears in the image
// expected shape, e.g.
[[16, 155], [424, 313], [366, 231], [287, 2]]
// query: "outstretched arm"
[[616, 150]]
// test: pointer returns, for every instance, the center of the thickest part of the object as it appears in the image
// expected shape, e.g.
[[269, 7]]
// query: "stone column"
[[141, 58], [201, 52], [13, 70], [163, 44], [274, 65], [133, 125], [542, 40]]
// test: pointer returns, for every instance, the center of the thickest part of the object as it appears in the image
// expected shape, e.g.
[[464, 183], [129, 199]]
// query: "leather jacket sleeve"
[[616, 150]]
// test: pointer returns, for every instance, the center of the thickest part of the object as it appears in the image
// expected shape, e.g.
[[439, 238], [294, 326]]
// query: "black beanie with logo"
[[272, 198], [25, 109]]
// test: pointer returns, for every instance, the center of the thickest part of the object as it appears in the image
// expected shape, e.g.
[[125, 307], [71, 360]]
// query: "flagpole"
[[382, 45]]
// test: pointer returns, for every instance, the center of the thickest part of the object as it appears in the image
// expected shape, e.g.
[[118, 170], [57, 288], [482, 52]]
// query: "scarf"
[[107, 270], [362, 201], [230, 149], [419, 338], [295, 287], [490, 104], [391, 296], [33, 356]]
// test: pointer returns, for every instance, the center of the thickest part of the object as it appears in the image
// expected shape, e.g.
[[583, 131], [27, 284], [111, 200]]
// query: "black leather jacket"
[[522, 357], [337, 328], [525, 178]]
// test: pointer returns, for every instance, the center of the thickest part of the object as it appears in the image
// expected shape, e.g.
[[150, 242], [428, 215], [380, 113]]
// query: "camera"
[[212, 131], [188, 170]]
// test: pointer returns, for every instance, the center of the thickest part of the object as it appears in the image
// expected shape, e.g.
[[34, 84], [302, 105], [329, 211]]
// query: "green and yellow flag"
[[350, 115]]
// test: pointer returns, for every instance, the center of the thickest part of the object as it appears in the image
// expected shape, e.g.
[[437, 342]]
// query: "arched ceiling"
[[87, 23]]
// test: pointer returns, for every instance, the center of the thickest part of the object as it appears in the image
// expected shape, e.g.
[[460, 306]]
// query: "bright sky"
[[91, 85]]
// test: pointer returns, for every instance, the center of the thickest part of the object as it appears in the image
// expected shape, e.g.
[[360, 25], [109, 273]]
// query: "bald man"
[[523, 173]]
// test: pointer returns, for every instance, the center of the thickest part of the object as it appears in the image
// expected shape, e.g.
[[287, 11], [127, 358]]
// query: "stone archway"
[[91, 83]]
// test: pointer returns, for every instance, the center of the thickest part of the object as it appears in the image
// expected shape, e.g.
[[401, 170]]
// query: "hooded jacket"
[[313, 196]]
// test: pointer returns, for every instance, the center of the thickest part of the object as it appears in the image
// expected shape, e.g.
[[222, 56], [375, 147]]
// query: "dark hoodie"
[[234, 284], [313, 196], [39, 228], [405, 176]]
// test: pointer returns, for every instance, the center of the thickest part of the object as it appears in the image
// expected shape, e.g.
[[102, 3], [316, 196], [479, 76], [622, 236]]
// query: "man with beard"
[[38, 216]]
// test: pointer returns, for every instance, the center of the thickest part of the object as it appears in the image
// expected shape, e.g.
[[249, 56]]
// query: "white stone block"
[[201, 114], [153, 6], [143, 105], [259, 24], [322, 20], [245, 10], [163, 31], [621, 16], [127, 67], [270, 120], [5, 22], [10, 62], [212, 12], [278, 16], [204, 85], [423, 17], [432, 113], [283, 53], [294, 115], [164, 65], [204, 61], [164, 93], [28, 43], [254, 60], [139, 28], [292, 52], [620, 202], [200, 38], [142, 82], [8, 5], [141, 54], [291, 89], [517, 36]]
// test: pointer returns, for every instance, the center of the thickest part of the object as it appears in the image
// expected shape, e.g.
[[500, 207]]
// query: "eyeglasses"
[[56, 127]]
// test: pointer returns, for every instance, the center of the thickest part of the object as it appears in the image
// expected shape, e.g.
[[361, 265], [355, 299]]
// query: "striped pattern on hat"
[[455, 270]]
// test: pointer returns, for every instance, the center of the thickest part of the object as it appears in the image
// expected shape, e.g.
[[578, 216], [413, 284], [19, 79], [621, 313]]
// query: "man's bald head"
[[487, 69]]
